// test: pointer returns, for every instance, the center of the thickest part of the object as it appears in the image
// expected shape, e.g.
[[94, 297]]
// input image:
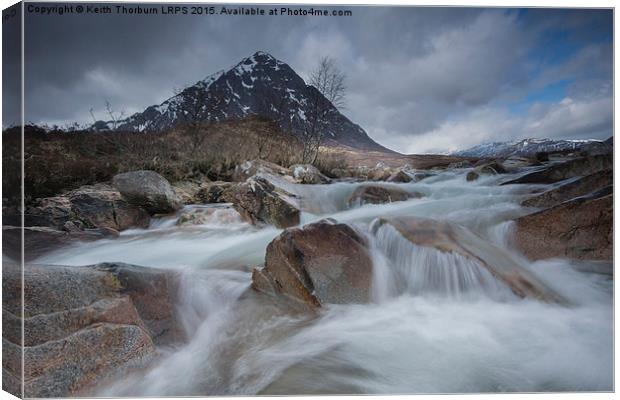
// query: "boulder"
[[147, 189], [569, 169], [103, 207], [472, 176], [321, 263], [84, 325], [580, 228], [571, 189], [253, 167], [216, 192], [373, 194], [98, 206], [308, 174], [400, 177], [452, 238], [258, 200]]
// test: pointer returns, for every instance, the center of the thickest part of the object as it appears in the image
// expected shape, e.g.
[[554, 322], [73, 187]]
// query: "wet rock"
[[491, 168], [308, 174], [253, 167], [571, 189], [257, 200], [217, 216], [452, 238], [373, 194], [39, 240], [569, 169], [84, 325], [400, 177], [321, 263], [103, 207], [98, 206], [472, 176], [186, 191], [51, 212], [216, 192], [581, 228], [147, 189]]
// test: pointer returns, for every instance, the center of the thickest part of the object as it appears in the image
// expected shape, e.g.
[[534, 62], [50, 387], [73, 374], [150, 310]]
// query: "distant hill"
[[529, 147], [259, 85]]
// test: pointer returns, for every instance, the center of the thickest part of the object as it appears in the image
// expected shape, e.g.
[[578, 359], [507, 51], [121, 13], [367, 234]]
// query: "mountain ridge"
[[531, 146], [257, 85]]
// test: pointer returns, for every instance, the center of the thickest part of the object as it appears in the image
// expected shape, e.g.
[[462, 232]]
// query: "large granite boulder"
[[374, 194], [147, 189], [83, 325], [571, 189], [258, 200], [569, 169], [308, 174], [186, 191], [452, 238], [581, 228], [321, 263]]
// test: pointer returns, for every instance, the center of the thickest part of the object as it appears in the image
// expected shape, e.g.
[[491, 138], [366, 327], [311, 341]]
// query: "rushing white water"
[[439, 323]]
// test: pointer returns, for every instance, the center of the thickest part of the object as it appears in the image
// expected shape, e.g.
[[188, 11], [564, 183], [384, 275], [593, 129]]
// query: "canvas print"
[[215, 199]]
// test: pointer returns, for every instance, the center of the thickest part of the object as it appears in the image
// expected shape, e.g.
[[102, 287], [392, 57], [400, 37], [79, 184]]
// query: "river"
[[431, 328]]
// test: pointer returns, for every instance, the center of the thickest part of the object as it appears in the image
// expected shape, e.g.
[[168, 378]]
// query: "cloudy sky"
[[419, 79]]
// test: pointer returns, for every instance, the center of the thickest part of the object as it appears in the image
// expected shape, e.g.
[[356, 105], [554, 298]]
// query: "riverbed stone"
[[581, 228], [374, 194], [259, 201], [83, 325], [322, 263], [147, 189], [216, 192], [308, 174], [253, 167]]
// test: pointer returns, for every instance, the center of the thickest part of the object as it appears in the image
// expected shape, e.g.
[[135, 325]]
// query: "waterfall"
[[439, 321]]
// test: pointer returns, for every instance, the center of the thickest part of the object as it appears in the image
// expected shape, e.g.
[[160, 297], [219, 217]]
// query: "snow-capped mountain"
[[529, 147], [259, 84]]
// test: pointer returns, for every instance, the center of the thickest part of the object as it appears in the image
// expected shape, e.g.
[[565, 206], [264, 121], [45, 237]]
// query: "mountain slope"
[[529, 147], [259, 84]]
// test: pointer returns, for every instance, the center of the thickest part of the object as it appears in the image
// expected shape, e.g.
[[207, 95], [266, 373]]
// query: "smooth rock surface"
[[148, 190]]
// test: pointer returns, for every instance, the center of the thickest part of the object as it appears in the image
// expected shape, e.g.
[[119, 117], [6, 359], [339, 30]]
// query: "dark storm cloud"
[[419, 79]]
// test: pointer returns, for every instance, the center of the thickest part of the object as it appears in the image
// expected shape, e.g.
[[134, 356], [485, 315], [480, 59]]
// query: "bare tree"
[[327, 94], [196, 112], [115, 117]]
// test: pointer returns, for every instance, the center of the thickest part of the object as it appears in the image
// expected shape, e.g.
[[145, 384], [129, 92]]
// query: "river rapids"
[[438, 322]]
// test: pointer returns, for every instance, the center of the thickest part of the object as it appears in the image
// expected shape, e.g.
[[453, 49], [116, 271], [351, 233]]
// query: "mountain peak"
[[257, 85]]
